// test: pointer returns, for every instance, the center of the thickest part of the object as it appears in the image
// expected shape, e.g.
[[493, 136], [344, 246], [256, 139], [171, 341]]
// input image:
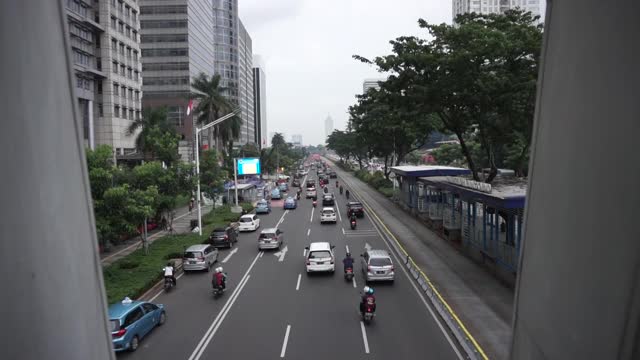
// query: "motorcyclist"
[[298, 194], [341, 189], [170, 273], [347, 262], [326, 190], [219, 279], [337, 183], [352, 216], [346, 193], [367, 297]]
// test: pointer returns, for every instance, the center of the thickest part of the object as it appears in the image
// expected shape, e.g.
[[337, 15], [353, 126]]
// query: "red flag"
[[189, 107]]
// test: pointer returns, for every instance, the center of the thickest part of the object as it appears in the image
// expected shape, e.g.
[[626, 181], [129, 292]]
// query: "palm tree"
[[213, 105], [151, 118]]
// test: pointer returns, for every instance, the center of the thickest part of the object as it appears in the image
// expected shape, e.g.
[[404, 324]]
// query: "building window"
[[134, 15], [135, 75], [100, 110], [124, 92], [137, 114], [122, 70], [99, 85], [87, 84], [124, 112], [116, 111], [135, 56], [116, 89], [128, 31], [165, 52], [163, 24], [137, 95], [134, 35], [79, 82], [130, 94], [122, 48], [128, 52], [120, 6], [129, 71], [113, 23], [114, 44], [121, 27], [130, 114], [99, 63], [114, 67]]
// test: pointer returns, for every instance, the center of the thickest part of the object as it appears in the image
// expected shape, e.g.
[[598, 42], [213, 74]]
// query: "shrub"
[[388, 192]]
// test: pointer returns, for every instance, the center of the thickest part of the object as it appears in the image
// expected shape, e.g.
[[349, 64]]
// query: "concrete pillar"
[[92, 135]]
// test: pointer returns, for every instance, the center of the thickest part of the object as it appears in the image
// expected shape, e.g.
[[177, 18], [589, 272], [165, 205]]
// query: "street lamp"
[[198, 130]]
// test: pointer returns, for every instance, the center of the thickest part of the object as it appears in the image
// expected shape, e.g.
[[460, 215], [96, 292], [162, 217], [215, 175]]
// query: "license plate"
[[320, 263], [379, 272], [192, 262], [267, 241]]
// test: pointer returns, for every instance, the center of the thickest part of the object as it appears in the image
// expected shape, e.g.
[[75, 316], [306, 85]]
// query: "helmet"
[[220, 269], [348, 254], [170, 263], [217, 270], [370, 292], [366, 289]]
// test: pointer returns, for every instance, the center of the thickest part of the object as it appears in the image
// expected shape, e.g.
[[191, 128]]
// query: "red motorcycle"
[[348, 274]]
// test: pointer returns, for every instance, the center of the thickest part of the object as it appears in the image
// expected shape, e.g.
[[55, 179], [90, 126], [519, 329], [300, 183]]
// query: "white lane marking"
[[282, 218], [304, 253], [354, 282], [298, 284], [343, 233], [229, 255], [148, 238], [286, 340], [347, 248], [197, 352], [281, 254], [261, 253], [338, 208], [161, 291], [311, 218], [308, 232], [364, 338]]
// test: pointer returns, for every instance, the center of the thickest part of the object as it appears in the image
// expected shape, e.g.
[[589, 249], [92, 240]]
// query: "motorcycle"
[[348, 274], [315, 203], [298, 196], [369, 310], [353, 224], [168, 284], [217, 290], [337, 184]]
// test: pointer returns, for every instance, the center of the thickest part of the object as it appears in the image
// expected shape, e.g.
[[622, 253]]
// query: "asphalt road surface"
[[272, 309]]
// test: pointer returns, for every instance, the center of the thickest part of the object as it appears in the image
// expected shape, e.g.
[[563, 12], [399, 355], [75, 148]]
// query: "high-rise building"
[[233, 61], [245, 88], [105, 49], [260, 107], [296, 140], [328, 126], [177, 45], [371, 84], [494, 6]]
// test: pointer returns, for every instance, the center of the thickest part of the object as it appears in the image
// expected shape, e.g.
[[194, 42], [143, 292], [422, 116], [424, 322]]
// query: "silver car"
[[199, 257], [377, 265], [271, 238]]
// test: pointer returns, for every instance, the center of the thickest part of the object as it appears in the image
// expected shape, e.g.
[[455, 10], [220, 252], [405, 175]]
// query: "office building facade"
[[260, 107], [494, 6], [105, 50], [177, 45], [245, 87]]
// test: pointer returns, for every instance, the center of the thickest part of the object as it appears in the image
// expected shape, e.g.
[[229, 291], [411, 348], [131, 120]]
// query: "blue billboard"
[[249, 166]]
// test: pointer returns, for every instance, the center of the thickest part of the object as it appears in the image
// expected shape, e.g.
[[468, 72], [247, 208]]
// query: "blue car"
[[263, 207], [275, 194], [130, 321], [283, 187], [290, 203]]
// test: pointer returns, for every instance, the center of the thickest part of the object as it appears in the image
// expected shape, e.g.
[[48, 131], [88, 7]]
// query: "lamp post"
[[198, 130]]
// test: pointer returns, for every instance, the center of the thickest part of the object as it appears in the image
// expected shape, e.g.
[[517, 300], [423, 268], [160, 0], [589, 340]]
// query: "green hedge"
[[136, 273], [376, 180]]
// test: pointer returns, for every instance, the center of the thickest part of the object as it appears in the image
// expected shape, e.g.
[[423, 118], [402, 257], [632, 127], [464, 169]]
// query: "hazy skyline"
[[306, 47]]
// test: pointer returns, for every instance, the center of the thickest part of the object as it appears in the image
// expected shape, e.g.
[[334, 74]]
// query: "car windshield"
[[328, 212], [267, 236], [380, 262], [114, 324], [322, 254], [192, 254]]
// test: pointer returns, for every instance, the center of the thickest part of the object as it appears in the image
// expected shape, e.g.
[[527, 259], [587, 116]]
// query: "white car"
[[328, 215], [312, 193], [249, 222], [320, 257]]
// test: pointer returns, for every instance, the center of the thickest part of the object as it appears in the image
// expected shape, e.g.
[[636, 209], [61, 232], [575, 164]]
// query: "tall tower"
[[328, 126]]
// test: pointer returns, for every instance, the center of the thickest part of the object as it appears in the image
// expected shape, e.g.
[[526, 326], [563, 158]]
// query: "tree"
[[212, 175], [157, 138], [212, 105], [476, 79]]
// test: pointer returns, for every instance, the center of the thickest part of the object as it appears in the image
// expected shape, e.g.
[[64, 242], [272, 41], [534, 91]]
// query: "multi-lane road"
[[272, 309]]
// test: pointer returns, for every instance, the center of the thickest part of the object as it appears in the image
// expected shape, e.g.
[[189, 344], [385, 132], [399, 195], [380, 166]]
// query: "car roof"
[[354, 203], [378, 253], [197, 247], [268, 230], [318, 246], [119, 310], [220, 229], [328, 208]]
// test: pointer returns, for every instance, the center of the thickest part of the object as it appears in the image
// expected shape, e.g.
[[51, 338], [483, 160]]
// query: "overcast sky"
[[306, 48]]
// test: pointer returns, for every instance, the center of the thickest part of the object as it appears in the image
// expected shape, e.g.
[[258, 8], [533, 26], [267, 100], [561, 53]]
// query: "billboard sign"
[[248, 166]]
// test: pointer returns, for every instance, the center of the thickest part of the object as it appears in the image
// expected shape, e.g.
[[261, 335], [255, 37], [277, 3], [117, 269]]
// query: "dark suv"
[[355, 207], [223, 237], [328, 200]]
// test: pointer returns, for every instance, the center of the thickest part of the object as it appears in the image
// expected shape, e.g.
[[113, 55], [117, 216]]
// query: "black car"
[[223, 237], [333, 175], [295, 183], [328, 200], [355, 207], [311, 183]]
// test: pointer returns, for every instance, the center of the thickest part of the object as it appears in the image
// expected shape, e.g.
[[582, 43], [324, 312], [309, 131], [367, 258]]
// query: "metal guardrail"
[[469, 344]]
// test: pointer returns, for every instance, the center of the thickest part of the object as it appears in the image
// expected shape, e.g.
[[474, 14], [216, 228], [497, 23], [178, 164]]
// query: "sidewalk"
[[481, 301], [181, 225]]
